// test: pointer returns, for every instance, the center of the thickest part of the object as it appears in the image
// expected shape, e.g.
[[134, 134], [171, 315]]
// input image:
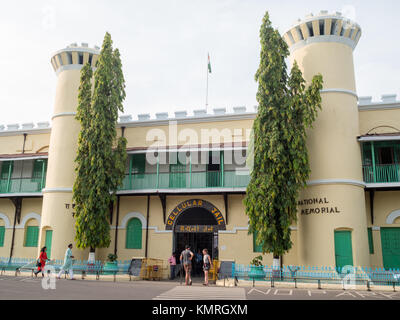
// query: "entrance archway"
[[196, 223]]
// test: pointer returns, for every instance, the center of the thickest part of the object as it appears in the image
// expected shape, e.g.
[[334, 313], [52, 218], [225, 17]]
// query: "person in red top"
[[42, 261]]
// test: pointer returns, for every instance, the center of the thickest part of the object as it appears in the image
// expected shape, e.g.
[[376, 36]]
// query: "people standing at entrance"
[[199, 262], [67, 266], [42, 261], [206, 265], [172, 264], [186, 259]]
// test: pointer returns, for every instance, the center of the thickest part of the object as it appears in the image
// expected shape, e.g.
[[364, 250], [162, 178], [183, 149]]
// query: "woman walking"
[[42, 261], [206, 265]]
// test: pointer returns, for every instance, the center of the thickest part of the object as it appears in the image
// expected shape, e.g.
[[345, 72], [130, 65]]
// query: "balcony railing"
[[381, 173], [22, 185], [186, 180]]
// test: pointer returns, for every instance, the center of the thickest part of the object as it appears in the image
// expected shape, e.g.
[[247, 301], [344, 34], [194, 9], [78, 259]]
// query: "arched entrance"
[[196, 222]]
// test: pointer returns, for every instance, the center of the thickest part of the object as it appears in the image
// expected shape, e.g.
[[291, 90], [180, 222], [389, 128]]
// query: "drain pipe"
[[147, 225]]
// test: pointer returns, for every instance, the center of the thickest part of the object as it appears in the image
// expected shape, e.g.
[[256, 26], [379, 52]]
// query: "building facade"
[[186, 175]]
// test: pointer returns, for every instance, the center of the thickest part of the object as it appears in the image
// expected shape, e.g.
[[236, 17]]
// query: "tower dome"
[[323, 27]]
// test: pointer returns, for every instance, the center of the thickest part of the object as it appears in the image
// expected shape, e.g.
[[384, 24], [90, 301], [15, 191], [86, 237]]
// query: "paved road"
[[24, 287]]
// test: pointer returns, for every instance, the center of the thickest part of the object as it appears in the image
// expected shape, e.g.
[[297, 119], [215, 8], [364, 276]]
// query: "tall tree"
[[280, 166], [101, 157]]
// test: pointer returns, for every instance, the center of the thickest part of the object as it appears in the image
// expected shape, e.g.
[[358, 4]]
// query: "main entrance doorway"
[[198, 228], [196, 223]]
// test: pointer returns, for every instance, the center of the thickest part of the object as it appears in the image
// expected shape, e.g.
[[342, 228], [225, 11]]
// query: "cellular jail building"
[[177, 191]]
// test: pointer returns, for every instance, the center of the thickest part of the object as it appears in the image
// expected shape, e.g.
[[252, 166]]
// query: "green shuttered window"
[[31, 236], [5, 169], [134, 234], [2, 233], [138, 163], [370, 241]]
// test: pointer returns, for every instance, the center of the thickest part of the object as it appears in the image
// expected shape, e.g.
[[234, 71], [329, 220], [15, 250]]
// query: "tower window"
[[300, 33], [322, 27], [80, 58], [310, 29], [59, 60], [69, 57], [333, 27]]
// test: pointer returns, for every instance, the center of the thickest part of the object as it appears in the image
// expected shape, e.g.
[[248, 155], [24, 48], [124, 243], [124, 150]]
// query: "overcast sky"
[[164, 45]]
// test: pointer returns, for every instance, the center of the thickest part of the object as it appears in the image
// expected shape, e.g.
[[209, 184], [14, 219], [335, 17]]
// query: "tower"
[[332, 224], [57, 196]]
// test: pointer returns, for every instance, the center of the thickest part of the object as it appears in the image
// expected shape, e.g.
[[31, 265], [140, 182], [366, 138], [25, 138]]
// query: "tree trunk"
[[276, 267], [92, 256]]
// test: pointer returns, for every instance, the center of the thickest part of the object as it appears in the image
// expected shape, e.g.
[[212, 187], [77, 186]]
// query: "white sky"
[[164, 47]]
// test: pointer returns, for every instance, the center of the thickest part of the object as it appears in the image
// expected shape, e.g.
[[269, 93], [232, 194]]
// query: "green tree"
[[280, 166], [101, 156]]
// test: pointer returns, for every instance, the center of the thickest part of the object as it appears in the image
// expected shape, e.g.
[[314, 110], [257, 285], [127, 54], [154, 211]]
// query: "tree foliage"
[[101, 156], [280, 159]]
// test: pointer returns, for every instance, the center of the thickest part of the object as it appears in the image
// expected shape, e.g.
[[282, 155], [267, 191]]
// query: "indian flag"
[[209, 64]]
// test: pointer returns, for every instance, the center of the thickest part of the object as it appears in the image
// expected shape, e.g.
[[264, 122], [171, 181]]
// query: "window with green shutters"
[[31, 236], [134, 234], [38, 168], [177, 172], [5, 169], [370, 241], [138, 163], [2, 233], [256, 247]]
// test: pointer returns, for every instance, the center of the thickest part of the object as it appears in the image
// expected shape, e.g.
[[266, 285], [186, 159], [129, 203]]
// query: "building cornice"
[[193, 119]]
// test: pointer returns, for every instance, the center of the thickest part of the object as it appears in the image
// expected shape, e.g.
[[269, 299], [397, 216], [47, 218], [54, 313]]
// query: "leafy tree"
[[101, 157], [280, 166]]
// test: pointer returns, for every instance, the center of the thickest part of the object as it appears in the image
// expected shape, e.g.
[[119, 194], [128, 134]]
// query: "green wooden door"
[[134, 234], [343, 249], [2, 234], [49, 236], [391, 247]]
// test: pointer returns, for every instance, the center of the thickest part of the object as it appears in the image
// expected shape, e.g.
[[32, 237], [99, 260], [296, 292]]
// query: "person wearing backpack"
[[186, 260]]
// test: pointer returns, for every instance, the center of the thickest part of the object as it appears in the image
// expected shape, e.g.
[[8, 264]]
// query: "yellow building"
[[186, 176]]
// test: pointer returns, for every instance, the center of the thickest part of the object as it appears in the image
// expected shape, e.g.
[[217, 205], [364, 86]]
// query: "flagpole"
[[207, 85]]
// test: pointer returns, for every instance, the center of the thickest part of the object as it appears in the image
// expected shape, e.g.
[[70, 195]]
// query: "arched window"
[[134, 234], [31, 234]]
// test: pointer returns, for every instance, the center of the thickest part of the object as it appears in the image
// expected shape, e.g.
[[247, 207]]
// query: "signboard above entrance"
[[196, 203], [198, 228]]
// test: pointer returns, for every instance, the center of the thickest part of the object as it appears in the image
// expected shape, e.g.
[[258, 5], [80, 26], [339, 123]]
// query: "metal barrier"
[[214, 269], [301, 274], [155, 269]]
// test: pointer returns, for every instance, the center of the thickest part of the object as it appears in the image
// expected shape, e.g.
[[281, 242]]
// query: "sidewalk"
[[291, 285], [228, 282]]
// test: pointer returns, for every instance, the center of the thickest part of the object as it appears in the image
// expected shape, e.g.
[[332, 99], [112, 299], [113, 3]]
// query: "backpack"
[[186, 256]]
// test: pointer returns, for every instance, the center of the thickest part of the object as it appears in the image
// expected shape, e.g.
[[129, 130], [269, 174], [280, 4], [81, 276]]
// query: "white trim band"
[[7, 223], [325, 38], [234, 230], [57, 190], [63, 114], [338, 90], [27, 217], [69, 67], [379, 138], [336, 181], [392, 216]]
